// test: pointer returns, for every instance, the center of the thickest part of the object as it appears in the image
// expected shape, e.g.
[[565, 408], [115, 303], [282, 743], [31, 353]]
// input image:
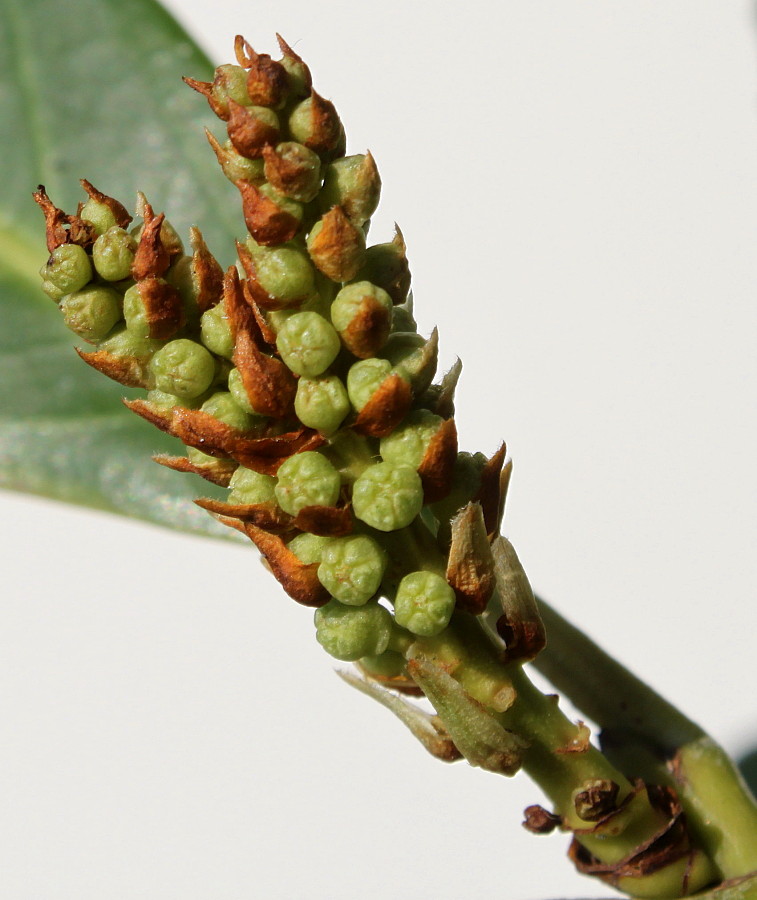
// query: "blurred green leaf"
[[93, 89]]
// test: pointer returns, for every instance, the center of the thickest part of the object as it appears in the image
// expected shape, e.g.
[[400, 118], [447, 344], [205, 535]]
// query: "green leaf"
[[93, 90]]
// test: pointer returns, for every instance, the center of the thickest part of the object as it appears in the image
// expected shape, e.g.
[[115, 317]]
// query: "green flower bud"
[[402, 319], [248, 486], [352, 568], [285, 204], [98, 214], [68, 268], [53, 292], [184, 368], [413, 357], [424, 603], [308, 548], [409, 441], [336, 245], [113, 253], [353, 183], [230, 82], [235, 166], [215, 332], [389, 664], [182, 277], [362, 314], [91, 313], [314, 122], [307, 479], [298, 74], [135, 303], [364, 378], [307, 343], [224, 408], [349, 633], [387, 496], [125, 343], [293, 170], [386, 265], [169, 401], [285, 273], [321, 403]]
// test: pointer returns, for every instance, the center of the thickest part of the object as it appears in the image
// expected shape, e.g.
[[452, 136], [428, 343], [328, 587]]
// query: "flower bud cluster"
[[297, 378]]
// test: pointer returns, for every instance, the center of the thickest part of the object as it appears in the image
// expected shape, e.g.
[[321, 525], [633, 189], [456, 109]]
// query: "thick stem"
[[720, 810]]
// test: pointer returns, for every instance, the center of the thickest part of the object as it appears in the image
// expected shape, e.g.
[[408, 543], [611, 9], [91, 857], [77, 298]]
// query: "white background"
[[576, 183]]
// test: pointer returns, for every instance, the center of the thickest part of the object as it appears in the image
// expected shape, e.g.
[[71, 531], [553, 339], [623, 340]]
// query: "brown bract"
[[326, 135], [266, 80], [289, 176], [248, 133], [386, 409], [596, 800], [489, 494], [127, 370], [206, 89], [208, 274], [266, 221], [61, 228], [300, 581], [470, 566], [270, 386], [444, 405], [120, 213], [203, 431], [338, 247], [267, 516], [267, 333], [219, 471], [368, 330], [325, 521], [164, 311], [438, 464], [152, 257]]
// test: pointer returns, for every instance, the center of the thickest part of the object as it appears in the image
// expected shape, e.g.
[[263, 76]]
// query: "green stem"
[[720, 810]]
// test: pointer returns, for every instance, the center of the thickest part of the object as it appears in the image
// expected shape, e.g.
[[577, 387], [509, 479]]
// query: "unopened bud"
[[387, 497], [353, 183], [229, 84], [91, 312], [349, 632], [298, 74], [336, 246], [413, 357], [307, 479], [424, 603], [235, 166], [386, 265], [278, 277], [215, 331], [361, 313], [321, 403], [267, 81], [314, 122], [271, 218], [408, 443], [224, 407], [113, 254], [294, 170], [250, 128], [68, 268], [184, 368], [153, 309], [307, 343]]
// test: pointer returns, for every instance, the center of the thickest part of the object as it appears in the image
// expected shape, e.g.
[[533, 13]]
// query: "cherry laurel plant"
[[298, 381]]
